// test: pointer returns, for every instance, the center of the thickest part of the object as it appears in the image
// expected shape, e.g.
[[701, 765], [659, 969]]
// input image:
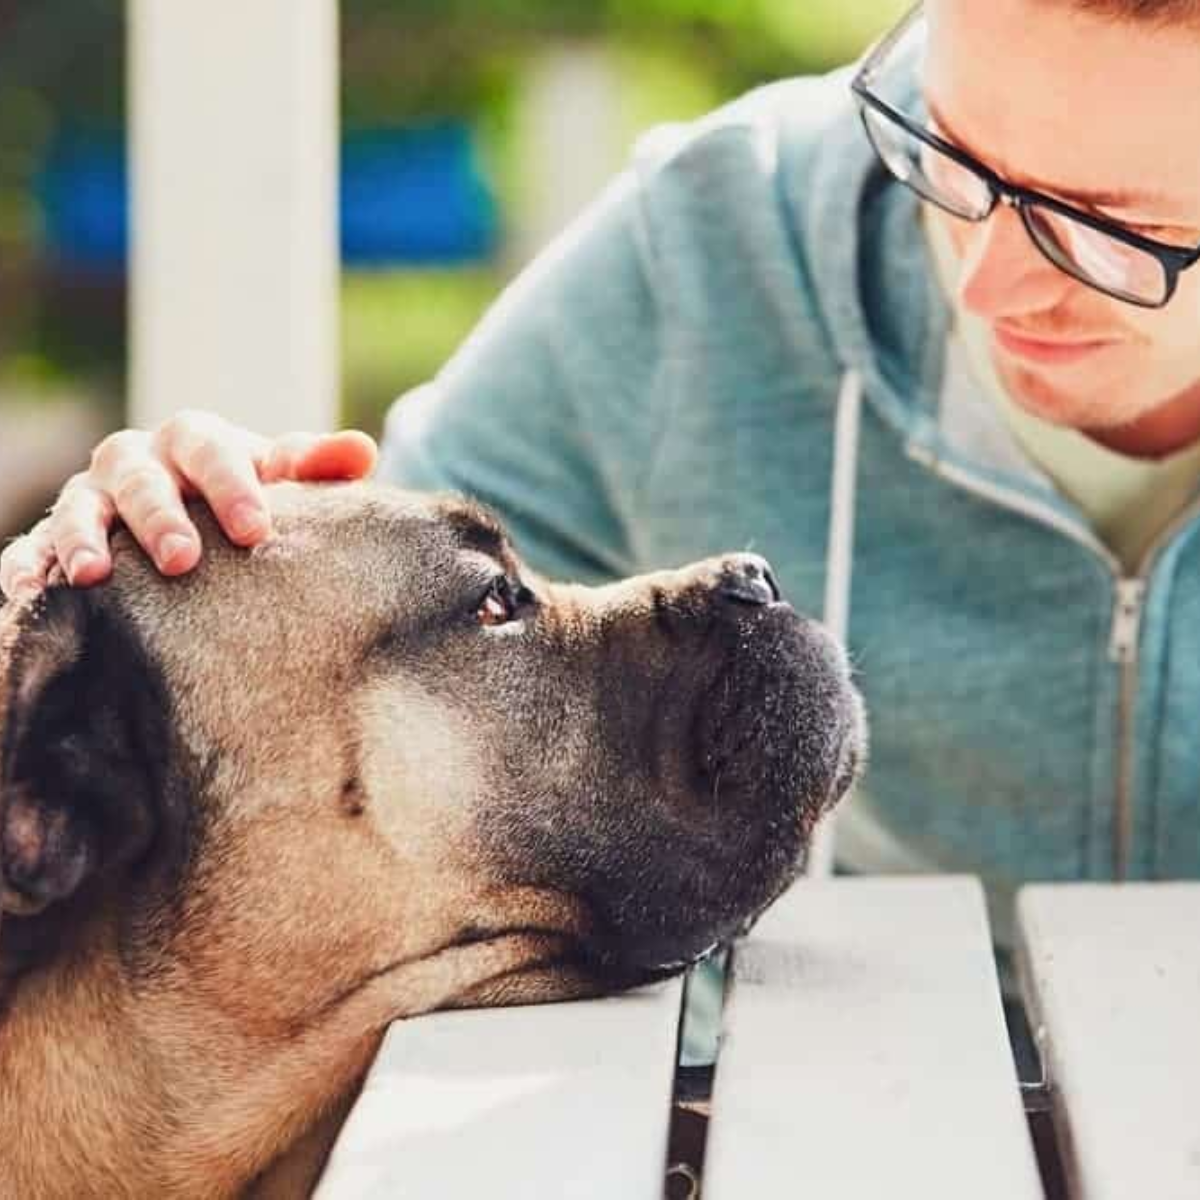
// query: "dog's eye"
[[502, 601]]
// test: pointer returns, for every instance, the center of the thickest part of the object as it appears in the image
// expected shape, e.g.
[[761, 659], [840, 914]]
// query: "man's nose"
[[1002, 273]]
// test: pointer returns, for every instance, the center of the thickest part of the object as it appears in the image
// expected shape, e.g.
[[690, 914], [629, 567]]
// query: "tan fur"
[[348, 802]]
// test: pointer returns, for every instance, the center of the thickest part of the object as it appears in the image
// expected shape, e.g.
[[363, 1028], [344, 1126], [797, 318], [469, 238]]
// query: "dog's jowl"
[[372, 768]]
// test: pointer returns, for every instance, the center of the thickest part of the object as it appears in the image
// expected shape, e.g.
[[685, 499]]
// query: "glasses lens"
[[1093, 257], [925, 169]]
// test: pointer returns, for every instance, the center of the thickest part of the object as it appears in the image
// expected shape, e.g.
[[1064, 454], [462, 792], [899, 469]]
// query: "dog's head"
[[378, 754]]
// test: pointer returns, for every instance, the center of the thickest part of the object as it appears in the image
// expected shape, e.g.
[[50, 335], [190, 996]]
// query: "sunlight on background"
[[473, 129]]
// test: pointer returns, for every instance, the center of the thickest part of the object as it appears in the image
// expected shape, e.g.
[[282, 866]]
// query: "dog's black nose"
[[748, 578]]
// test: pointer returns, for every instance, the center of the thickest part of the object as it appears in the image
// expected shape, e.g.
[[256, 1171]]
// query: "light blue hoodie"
[[663, 385]]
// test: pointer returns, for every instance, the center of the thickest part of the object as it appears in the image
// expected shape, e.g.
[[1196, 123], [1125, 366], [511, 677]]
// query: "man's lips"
[[1048, 351]]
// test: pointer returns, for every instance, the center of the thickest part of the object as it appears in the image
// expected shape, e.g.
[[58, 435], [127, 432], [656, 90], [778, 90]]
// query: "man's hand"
[[143, 478]]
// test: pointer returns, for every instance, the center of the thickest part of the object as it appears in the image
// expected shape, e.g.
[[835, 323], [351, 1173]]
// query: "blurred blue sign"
[[409, 196], [81, 191], [415, 196]]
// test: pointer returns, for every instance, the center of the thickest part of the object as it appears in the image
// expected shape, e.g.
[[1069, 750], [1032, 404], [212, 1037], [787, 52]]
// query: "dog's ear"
[[82, 748]]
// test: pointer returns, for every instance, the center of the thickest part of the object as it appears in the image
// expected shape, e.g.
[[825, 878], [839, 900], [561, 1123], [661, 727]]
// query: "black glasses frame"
[[1172, 259]]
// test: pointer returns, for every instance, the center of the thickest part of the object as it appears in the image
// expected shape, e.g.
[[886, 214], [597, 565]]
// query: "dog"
[[372, 768]]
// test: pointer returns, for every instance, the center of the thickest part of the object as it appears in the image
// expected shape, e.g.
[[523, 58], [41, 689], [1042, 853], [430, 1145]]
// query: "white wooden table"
[[863, 1054], [1112, 974]]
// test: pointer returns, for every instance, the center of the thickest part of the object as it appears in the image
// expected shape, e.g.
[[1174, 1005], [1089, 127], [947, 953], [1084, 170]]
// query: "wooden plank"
[[570, 1101], [1111, 974], [864, 1052], [234, 111]]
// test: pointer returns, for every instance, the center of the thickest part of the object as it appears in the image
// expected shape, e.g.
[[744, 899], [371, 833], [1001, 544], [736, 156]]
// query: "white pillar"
[[234, 121], [571, 138]]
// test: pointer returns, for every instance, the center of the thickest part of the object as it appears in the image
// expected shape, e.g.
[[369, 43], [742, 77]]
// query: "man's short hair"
[[1154, 12]]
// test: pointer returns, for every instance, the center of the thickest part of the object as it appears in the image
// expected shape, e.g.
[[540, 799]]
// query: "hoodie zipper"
[[1129, 602], [1123, 650]]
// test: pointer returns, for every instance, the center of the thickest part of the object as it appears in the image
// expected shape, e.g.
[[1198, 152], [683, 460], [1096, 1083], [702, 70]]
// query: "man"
[[1025, 327]]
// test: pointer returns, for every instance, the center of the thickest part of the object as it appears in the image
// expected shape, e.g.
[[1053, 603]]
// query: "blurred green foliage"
[[415, 57], [62, 61], [677, 58]]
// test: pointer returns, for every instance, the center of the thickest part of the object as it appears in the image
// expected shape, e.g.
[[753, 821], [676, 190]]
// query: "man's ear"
[[83, 748]]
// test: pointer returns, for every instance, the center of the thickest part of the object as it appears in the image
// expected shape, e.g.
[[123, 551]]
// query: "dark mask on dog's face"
[[661, 748]]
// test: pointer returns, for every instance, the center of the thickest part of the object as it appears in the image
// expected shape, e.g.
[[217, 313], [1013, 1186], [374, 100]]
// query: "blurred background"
[[472, 130]]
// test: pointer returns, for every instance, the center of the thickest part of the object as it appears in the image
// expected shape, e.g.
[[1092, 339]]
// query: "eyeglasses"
[[1100, 253]]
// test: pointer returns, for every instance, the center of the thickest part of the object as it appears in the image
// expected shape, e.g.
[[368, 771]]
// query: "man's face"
[[1102, 114]]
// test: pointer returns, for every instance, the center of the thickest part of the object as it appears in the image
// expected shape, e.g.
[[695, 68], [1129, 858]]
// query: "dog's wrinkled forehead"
[[352, 554], [358, 559]]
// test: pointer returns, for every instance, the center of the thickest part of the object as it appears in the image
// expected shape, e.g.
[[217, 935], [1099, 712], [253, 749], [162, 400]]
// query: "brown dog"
[[370, 769]]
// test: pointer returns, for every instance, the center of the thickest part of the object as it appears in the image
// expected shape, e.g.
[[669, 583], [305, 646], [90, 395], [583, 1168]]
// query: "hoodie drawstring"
[[839, 566]]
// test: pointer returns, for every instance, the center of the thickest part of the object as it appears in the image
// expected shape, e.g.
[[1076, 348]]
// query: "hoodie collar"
[[886, 317]]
